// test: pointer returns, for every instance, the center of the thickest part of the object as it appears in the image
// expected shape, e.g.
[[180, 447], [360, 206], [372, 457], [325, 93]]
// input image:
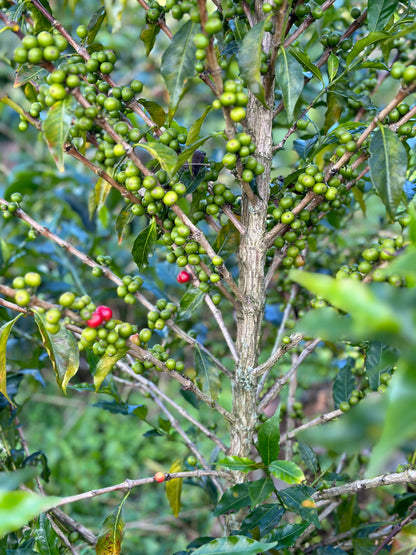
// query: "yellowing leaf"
[[4, 335], [174, 488], [112, 531]]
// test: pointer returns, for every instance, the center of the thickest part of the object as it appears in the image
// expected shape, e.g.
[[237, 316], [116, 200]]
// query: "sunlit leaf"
[[41, 22], [304, 59], [4, 336], [289, 76], [239, 545], [95, 23], [144, 244], [164, 155], [379, 13], [56, 127], [361, 44], [287, 471], [155, 110], [178, 64], [249, 60], [124, 217], [17, 508], [195, 128], [110, 539], [62, 349], [29, 72], [388, 166], [190, 302], [333, 64], [174, 488], [238, 463], [148, 36], [106, 364], [268, 439], [207, 373]]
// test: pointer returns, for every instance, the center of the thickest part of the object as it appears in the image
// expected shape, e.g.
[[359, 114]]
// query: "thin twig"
[[221, 324], [295, 338], [397, 529]]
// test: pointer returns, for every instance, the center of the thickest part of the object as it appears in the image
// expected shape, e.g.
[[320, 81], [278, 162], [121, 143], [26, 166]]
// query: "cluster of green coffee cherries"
[[241, 148], [44, 47], [158, 352], [130, 285], [9, 209], [233, 98], [23, 286], [375, 255], [164, 310]]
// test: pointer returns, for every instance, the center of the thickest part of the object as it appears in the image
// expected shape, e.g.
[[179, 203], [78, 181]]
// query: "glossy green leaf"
[[309, 457], [178, 64], [239, 545], [404, 265], [333, 64], [62, 349], [289, 76], [344, 384], [388, 166], [105, 365], [268, 439], [156, 111], [227, 241], [4, 336], [263, 519], [304, 59], [124, 218], [29, 72], [56, 127], [174, 488], [195, 128], [380, 358], [287, 535], [298, 499], [148, 36], [379, 13], [249, 60], [207, 373], [40, 21], [238, 463], [233, 499], [18, 508], [400, 417], [47, 542], [361, 44], [102, 189], [144, 245], [164, 155], [111, 535], [95, 23], [369, 313], [192, 300], [287, 471], [260, 490]]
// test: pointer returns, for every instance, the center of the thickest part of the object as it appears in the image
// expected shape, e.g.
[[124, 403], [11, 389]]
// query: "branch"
[[406, 477], [315, 422], [397, 529], [221, 324], [270, 362], [129, 484], [160, 22]]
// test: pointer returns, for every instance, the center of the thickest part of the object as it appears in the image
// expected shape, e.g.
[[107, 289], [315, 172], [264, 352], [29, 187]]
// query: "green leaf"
[[105, 365], [124, 217], [47, 542], [207, 372], [112, 531], [287, 471], [174, 488], [144, 244], [260, 490], [344, 384], [227, 240], [95, 23], [238, 463], [4, 336], [164, 155], [41, 22], [62, 349], [369, 313], [178, 64], [239, 545], [56, 127], [333, 110], [195, 128], [233, 499], [333, 64], [309, 457], [17, 508], [148, 36], [289, 76], [404, 264], [263, 518], [192, 299], [304, 59], [156, 111], [287, 535], [102, 189], [380, 358], [298, 499], [388, 166], [379, 13], [399, 421], [249, 60], [268, 439], [360, 45], [29, 72], [187, 153], [12, 480]]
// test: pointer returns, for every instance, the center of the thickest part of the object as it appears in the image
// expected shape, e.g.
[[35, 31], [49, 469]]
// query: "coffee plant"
[[208, 229]]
